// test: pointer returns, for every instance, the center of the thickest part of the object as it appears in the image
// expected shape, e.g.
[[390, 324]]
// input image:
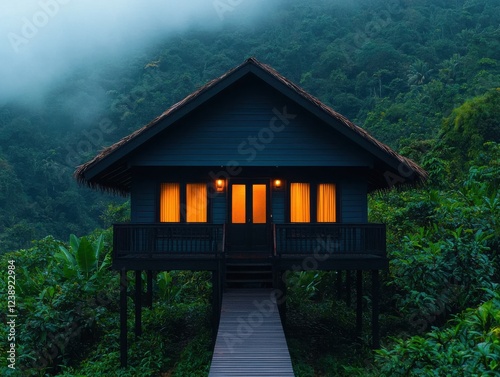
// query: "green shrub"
[[195, 357], [440, 276], [468, 346]]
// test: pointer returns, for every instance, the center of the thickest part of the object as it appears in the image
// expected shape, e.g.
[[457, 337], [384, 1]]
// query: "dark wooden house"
[[248, 177]]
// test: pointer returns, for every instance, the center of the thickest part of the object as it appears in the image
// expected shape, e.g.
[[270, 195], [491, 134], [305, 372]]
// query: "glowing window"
[[300, 203], [196, 203], [170, 203], [259, 204], [238, 204], [326, 206]]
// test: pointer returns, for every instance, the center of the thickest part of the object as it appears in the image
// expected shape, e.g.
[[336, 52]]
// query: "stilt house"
[[248, 177]]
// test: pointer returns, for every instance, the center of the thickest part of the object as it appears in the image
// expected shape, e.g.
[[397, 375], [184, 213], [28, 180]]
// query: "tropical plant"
[[303, 285], [168, 290], [82, 257], [419, 73]]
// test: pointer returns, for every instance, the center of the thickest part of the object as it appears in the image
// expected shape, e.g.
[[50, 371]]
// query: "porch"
[[332, 246]]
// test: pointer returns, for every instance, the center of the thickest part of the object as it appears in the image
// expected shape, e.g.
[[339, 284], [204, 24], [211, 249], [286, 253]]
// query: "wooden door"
[[248, 217]]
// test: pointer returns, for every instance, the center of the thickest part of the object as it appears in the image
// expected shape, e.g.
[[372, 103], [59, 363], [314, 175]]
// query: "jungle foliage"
[[396, 68], [67, 311], [422, 76]]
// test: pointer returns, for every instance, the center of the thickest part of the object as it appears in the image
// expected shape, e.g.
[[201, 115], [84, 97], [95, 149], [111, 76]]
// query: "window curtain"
[[259, 204], [238, 204], [300, 203], [170, 203], [196, 203], [326, 206]]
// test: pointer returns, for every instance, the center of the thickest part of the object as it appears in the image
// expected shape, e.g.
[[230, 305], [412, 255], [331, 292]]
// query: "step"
[[248, 275], [241, 274], [249, 263], [249, 272]]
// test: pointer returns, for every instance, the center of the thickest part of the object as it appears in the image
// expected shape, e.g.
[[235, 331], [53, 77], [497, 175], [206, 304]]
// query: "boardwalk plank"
[[250, 341]]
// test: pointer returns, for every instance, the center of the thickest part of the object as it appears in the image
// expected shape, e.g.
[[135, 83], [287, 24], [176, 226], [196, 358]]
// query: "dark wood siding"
[[354, 205], [143, 201], [278, 206], [243, 127], [219, 209]]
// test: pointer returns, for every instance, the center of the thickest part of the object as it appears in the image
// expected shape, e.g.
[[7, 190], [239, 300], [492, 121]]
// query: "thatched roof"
[[109, 171]]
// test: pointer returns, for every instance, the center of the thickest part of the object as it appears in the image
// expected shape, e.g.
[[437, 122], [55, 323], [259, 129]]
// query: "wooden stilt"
[[375, 309], [123, 318], [348, 284], [339, 285], [138, 303], [359, 303], [149, 291]]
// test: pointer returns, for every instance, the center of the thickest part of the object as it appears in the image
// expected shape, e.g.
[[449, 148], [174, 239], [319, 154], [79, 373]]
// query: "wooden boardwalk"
[[250, 341]]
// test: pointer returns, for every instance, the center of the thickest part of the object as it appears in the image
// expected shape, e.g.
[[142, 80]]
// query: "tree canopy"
[[397, 69]]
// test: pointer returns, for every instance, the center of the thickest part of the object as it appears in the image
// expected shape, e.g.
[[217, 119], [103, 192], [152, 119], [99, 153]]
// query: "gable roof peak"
[[110, 160]]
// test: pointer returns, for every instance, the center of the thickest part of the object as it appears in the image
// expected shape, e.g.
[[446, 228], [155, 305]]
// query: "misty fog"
[[43, 41]]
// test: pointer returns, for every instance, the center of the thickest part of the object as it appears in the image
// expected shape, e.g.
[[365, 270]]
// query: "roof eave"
[[128, 144], [90, 172], [343, 126]]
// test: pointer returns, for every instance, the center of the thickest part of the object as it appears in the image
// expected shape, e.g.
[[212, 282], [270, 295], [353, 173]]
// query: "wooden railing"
[[208, 240], [168, 240], [332, 238]]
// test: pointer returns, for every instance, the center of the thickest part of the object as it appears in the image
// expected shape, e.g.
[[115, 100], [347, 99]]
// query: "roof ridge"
[[105, 152]]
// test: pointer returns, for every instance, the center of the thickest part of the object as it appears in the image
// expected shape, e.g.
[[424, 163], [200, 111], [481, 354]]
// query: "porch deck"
[[333, 246], [250, 340]]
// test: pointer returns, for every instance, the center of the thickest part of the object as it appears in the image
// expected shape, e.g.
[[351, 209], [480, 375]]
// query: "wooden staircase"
[[248, 274]]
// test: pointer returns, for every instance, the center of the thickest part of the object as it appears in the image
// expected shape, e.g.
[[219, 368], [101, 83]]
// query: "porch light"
[[277, 184], [219, 185]]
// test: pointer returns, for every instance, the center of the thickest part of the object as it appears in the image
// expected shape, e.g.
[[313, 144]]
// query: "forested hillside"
[[422, 76], [395, 68]]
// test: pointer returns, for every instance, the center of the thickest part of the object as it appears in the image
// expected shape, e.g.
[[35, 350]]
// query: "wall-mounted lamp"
[[278, 184], [219, 185]]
